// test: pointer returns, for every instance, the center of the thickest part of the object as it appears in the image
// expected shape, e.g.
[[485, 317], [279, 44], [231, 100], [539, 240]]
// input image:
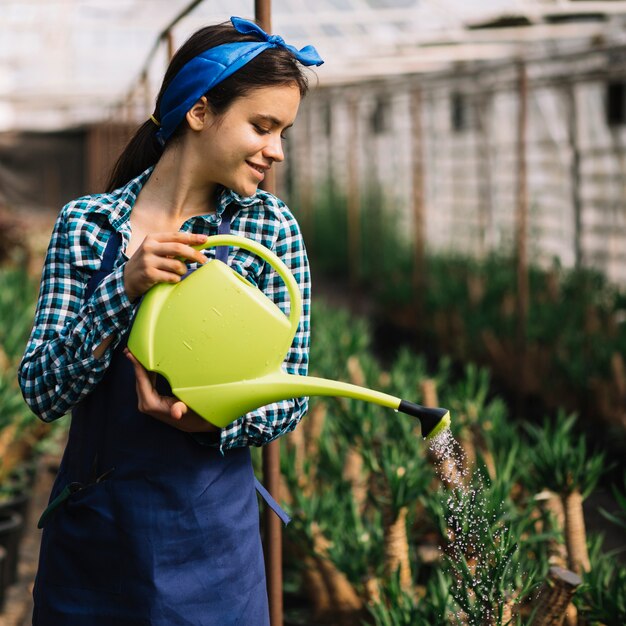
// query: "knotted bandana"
[[211, 67]]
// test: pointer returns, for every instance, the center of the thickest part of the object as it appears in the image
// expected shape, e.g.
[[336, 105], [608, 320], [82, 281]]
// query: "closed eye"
[[267, 131], [261, 130]]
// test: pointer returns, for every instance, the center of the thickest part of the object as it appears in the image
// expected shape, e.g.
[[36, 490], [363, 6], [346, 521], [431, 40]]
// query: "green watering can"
[[220, 343]]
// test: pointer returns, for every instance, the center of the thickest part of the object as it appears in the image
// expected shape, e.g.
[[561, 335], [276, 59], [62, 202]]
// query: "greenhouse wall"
[[41, 171], [352, 139]]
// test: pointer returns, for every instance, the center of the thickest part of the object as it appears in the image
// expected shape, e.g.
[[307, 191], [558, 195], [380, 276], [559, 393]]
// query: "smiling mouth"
[[258, 168]]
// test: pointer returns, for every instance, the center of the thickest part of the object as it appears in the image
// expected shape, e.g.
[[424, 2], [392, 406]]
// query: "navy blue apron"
[[152, 528]]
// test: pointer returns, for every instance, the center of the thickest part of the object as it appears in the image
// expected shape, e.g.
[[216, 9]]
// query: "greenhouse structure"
[[457, 171]]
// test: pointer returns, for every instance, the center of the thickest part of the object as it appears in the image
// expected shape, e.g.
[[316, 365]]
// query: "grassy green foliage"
[[618, 518], [559, 457], [575, 331], [400, 608], [17, 307], [17, 297], [21, 433], [491, 538], [602, 598]]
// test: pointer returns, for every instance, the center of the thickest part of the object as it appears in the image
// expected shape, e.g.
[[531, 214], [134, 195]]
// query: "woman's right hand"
[[167, 409], [158, 260]]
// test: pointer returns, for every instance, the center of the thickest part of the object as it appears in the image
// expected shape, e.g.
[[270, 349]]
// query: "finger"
[[145, 388], [180, 250], [192, 239], [155, 276], [173, 266], [161, 276], [178, 409]]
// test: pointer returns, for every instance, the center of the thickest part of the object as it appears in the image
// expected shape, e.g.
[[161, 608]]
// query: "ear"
[[199, 115]]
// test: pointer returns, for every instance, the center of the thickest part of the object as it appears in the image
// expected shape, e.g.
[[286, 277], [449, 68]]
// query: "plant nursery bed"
[[503, 499]]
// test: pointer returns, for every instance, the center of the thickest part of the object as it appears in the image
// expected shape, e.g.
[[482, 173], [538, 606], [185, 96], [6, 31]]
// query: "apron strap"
[[223, 228], [90, 436], [82, 463], [269, 500], [106, 267], [221, 252]]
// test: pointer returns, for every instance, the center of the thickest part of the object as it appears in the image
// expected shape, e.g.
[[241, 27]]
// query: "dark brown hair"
[[273, 67]]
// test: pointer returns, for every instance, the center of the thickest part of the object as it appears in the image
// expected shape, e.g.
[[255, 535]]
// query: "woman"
[[153, 518]]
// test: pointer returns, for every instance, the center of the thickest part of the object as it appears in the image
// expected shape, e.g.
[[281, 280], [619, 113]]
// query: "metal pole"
[[271, 452], [522, 230]]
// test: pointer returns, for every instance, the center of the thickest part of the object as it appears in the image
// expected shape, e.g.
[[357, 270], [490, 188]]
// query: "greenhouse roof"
[[67, 62]]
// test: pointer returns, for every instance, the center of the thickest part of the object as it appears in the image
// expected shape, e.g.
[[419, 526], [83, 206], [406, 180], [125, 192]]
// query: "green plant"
[[21, 433], [561, 462], [467, 307], [335, 335], [602, 597], [398, 460], [560, 458], [493, 555], [618, 518], [17, 306], [494, 541], [398, 607]]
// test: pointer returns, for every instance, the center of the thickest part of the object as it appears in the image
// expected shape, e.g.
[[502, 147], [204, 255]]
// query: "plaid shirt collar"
[[118, 204]]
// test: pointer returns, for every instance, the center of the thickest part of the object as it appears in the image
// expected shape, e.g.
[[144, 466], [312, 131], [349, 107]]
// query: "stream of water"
[[475, 531]]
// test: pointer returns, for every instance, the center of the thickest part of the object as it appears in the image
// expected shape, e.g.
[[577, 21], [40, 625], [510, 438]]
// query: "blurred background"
[[458, 173]]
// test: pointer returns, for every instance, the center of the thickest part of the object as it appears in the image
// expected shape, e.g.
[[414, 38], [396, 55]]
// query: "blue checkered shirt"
[[59, 369]]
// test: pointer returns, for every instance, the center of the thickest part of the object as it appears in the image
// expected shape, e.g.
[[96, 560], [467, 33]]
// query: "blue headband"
[[214, 65]]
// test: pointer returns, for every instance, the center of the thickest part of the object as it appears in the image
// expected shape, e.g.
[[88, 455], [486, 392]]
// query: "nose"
[[274, 148]]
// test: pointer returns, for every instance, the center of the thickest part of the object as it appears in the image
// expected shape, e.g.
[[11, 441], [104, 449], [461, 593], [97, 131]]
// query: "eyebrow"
[[273, 120]]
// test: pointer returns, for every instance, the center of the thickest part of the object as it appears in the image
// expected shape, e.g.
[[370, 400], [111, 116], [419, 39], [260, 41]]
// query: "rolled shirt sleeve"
[[58, 368]]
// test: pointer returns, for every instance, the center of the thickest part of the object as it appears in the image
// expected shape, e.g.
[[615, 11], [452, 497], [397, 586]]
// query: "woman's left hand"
[[166, 409]]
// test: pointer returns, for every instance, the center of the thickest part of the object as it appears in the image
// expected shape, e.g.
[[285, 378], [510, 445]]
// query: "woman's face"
[[238, 147]]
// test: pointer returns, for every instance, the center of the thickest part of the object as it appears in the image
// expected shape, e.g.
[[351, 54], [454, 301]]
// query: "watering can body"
[[220, 342], [214, 334]]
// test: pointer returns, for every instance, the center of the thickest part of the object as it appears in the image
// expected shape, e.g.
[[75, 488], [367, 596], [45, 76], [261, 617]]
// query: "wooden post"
[[305, 182], [418, 202], [522, 230], [485, 211], [354, 218], [169, 39], [572, 135], [271, 452], [93, 165], [147, 98], [263, 14]]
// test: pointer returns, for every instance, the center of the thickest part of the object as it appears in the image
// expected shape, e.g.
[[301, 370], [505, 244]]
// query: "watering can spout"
[[432, 420], [223, 403]]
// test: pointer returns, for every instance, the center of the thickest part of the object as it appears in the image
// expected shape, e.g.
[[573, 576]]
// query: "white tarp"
[[64, 62]]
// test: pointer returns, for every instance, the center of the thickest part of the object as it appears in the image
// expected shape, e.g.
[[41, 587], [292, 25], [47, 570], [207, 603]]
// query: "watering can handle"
[[267, 255]]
